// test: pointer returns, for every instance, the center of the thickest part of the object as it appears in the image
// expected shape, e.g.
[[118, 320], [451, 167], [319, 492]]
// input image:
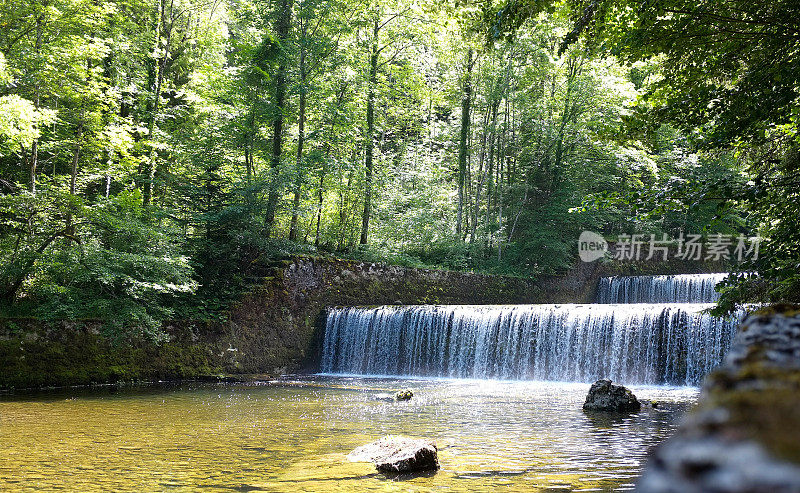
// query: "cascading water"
[[636, 343], [684, 288]]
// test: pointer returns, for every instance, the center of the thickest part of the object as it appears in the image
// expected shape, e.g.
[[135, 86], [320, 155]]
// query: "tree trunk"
[[373, 80], [298, 183], [282, 25], [482, 172], [463, 150], [343, 213], [150, 170], [323, 171], [75, 157], [502, 151], [248, 142], [74, 174], [574, 69], [320, 193], [490, 165], [34, 161]]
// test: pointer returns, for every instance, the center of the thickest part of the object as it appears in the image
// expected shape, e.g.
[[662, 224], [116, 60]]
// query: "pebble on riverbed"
[[398, 454]]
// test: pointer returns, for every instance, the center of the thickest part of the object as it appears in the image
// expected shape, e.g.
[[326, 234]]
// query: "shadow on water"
[[407, 476], [104, 391]]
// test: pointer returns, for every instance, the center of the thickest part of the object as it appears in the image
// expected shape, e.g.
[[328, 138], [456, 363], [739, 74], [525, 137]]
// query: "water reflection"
[[605, 421], [294, 435]]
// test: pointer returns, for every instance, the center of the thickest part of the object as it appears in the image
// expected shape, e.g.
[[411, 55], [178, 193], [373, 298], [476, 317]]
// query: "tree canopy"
[[156, 156]]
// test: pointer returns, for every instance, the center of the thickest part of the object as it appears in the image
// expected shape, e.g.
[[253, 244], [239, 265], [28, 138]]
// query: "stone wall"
[[580, 283], [278, 327], [275, 328]]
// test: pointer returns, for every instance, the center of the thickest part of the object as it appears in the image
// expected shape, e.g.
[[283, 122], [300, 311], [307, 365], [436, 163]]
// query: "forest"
[[153, 153]]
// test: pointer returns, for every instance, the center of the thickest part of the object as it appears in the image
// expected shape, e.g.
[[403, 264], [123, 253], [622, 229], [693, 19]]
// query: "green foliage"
[[728, 68], [774, 199], [723, 78], [19, 127], [729, 80], [139, 178], [110, 261]]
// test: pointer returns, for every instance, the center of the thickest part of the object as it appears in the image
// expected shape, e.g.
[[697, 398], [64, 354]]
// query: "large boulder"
[[604, 395], [398, 454]]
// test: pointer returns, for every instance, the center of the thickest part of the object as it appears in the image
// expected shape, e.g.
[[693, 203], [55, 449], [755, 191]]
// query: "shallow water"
[[293, 435]]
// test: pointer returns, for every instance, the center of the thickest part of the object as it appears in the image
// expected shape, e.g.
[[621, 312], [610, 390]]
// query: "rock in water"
[[400, 395], [394, 453], [608, 396], [404, 395]]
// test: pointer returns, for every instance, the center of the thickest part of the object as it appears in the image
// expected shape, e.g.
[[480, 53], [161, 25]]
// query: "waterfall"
[[647, 344], [684, 288], [633, 341]]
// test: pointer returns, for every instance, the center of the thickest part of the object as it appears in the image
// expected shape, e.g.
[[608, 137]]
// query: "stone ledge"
[[744, 435]]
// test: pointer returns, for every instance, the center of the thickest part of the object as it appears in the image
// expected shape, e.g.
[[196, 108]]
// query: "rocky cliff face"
[[744, 435]]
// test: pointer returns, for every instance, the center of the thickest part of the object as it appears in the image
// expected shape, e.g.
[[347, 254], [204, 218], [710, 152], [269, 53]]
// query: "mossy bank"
[[274, 328]]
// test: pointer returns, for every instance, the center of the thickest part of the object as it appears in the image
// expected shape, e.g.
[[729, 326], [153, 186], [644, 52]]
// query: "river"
[[293, 434]]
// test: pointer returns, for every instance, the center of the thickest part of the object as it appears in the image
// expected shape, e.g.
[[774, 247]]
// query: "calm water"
[[294, 435]]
